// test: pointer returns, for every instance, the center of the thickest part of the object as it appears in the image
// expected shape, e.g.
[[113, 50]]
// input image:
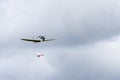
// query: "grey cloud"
[[72, 23], [91, 62]]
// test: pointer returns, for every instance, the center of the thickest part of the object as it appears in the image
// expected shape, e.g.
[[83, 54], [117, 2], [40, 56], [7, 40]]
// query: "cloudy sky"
[[87, 45]]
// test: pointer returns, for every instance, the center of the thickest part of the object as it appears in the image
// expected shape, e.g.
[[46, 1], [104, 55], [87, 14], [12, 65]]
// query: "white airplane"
[[40, 55]]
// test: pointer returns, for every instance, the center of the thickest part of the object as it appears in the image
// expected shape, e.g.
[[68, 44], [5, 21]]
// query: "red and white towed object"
[[40, 55]]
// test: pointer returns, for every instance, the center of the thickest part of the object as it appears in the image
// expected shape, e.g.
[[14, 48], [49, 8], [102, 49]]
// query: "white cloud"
[[25, 65], [93, 61]]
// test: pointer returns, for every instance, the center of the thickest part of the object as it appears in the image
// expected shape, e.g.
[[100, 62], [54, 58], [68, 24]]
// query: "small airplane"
[[40, 55], [38, 39]]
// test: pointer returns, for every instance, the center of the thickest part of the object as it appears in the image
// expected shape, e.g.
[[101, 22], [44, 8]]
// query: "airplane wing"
[[50, 39], [31, 40]]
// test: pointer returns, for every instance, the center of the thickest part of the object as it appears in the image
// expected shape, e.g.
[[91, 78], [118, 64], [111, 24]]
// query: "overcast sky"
[[87, 45]]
